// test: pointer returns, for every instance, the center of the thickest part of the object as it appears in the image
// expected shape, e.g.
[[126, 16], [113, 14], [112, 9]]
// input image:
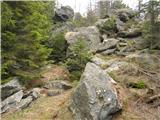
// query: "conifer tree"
[[25, 29]]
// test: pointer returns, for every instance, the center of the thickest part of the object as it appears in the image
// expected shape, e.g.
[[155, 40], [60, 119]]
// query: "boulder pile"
[[14, 97], [108, 36]]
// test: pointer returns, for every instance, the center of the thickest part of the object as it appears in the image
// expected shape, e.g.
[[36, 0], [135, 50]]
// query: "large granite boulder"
[[63, 14], [95, 98], [90, 35], [10, 88]]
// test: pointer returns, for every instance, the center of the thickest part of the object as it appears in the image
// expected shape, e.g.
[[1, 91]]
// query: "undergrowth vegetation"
[[78, 57]]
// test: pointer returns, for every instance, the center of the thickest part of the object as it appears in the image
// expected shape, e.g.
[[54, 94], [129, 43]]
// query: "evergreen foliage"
[[58, 44], [78, 58], [118, 4], [25, 29], [151, 28], [109, 27]]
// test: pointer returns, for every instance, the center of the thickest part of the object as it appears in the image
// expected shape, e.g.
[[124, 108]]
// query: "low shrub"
[[140, 84], [77, 59], [58, 44], [109, 27], [151, 35]]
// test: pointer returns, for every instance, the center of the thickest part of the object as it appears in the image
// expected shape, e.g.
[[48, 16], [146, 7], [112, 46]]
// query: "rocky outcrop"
[[109, 65], [63, 27], [95, 98], [11, 102], [101, 62], [14, 97], [24, 102], [120, 25], [10, 88], [90, 35], [116, 65], [107, 44], [130, 33], [63, 14], [125, 14]]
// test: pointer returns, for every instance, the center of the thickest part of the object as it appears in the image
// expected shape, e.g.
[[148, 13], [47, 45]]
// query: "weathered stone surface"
[[64, 27], [53, 92], [104, 64], [11, 101], [64, 13], [95, 98], [108, 44], [145, 59], [34, 93], [58, 85], [10, 88], [24, 102], [116, 65], [120, 25], [98, 61], [130, 33], [109, 51], [90, 35]]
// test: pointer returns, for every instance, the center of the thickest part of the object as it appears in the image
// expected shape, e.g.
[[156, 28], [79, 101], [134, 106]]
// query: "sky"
[[81, 5]]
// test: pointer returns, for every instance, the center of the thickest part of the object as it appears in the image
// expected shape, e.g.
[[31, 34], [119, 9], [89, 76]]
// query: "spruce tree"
[[25, 29]]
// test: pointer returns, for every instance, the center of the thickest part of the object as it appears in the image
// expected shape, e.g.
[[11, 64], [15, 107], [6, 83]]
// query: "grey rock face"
[[108, 52], [53, 92], [120, 25], [95, 98], [143, 58], [98, 61], [11, 101], [90, 35], [115, 66], [130, 33], [107, 44], [64, 13], [34, 93], [58, 85], [10, 88], [25, 102], [66, 26]]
